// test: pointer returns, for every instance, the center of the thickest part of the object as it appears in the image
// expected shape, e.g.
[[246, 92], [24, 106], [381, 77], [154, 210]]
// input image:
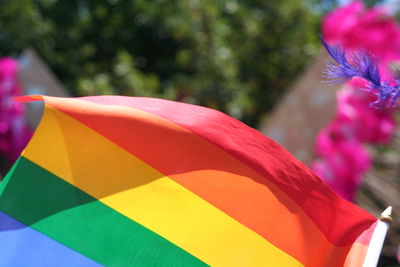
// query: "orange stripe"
[[230, 185]]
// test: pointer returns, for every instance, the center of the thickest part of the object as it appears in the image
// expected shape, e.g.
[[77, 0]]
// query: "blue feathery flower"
[[364, 65]]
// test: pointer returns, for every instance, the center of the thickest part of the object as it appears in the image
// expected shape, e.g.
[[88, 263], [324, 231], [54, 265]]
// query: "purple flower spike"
[[364, 65]]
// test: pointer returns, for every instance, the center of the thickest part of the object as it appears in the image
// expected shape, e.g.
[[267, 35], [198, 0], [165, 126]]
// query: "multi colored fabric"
[[124, 181]]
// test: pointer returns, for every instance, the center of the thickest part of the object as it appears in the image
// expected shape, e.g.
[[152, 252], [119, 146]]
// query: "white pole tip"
[[386, 215]]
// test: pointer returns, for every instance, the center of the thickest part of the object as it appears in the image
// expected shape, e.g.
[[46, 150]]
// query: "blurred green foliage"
[[235, 56]]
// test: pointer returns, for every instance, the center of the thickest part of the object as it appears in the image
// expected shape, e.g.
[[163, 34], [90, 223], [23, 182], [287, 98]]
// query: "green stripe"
[[48, 204]]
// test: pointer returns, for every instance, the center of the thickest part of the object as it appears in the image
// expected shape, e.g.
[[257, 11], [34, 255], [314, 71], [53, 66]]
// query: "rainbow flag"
[[125, 181]]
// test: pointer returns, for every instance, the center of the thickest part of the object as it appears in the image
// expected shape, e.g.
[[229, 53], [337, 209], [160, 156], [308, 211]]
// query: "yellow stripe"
[[94, 164]]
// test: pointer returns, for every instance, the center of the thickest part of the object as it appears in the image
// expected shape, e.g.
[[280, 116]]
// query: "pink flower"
[[342, 161], [362, 28], [14, 132], [370, 125], [348, 16], [341, 145]]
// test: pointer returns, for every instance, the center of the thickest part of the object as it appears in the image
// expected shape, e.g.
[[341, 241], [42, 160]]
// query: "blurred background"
[[259, 61]]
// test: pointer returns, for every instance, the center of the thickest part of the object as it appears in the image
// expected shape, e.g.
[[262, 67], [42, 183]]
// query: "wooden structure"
[[35, 77]]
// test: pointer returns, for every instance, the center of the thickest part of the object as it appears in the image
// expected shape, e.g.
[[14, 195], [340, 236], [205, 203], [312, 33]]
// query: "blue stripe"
[[22, 246]]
